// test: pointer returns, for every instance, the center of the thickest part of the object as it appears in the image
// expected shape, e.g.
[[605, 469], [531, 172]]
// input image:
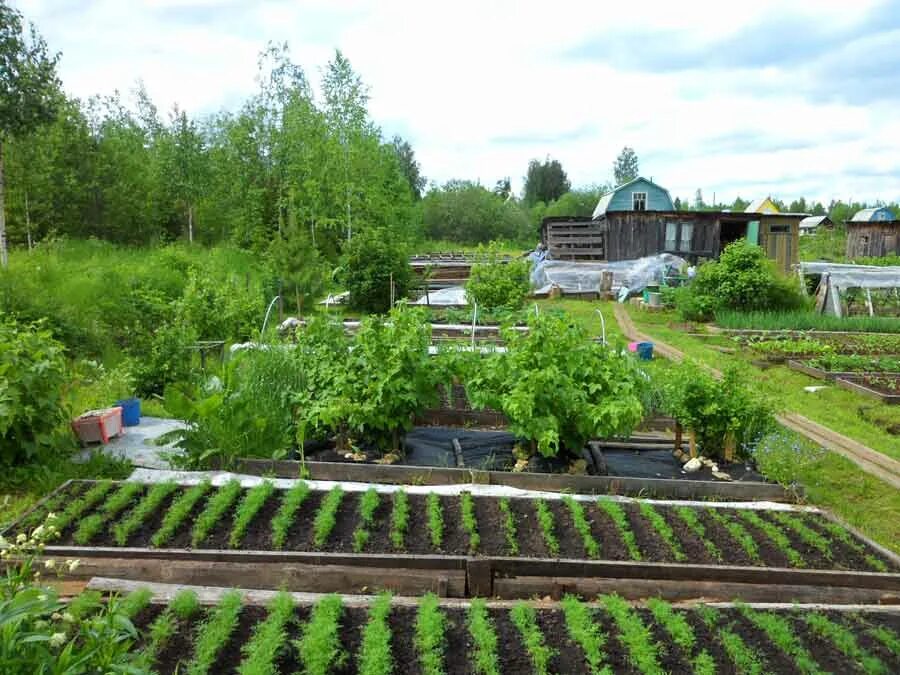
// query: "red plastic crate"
[[98, 426]]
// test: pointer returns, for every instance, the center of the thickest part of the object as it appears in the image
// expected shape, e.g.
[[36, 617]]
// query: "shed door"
[[778, 246]]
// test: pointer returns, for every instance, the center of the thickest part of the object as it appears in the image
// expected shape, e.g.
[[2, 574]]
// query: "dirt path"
[[870, 461]]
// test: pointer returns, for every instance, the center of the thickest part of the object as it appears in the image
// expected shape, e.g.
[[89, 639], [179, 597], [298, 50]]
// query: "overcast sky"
[[780, 97]]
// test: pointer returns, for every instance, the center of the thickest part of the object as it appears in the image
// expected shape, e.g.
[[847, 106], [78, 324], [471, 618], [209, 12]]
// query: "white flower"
[[68, 618], [73, 565], [38, 531], [57, 639], [49, 564], [21, 538], [56, 616]]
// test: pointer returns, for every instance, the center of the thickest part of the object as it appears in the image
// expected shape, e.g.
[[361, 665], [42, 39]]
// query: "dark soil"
[[180, 647], [707, 640], [510, 648], [402, 621], [671, 657], [774, 660], [353, 620], [652, 546], [829, 658], [616, 652], [231, 656], [612, 546], [768, 550], [691, 544], [732, 552], [568, 657], [459, 644], [571, 544]]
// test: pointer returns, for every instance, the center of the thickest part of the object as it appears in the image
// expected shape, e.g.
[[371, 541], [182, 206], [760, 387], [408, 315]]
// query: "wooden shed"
[[873, 239]]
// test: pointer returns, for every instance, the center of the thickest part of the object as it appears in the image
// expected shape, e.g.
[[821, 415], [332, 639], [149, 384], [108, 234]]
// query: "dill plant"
[[509, 526], [617, 514], [115, 504], [779, 631], [154, 498], [375, 652], [663, 529], [582, 526], [368, 503], [290, 503], [213, 512], [435, 513], [253, 500], [844, 641], [774, 533], [690, 518], [484, 657], [319, 646], [81, 505], [214, 633], [178, 512], [469, 521], [262, 649], [738, 532], [326, 516], [524, 618], [643, 652], [399, 518], [430, 637], [548, 526], [582, 629]]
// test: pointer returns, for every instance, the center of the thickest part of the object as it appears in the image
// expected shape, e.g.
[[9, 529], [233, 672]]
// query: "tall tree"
[[409, 166], [625, 168], [503, 188], [545, 181], [29, 90]]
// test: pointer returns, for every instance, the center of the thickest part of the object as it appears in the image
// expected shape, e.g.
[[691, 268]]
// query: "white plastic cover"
[[445, 297], [855, 276], [634, 275]]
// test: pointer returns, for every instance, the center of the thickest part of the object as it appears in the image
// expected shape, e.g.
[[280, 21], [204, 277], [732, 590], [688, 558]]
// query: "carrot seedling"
[[326, 516], [368, 504], [617, 514], [643, 652], [112, 507], [807, 535], [582, 526], [149, 504], [843, 536], [253, 500], [738, 532], [81, 505], [469, 521], [682, 635], [509, 526], [182, 607], [663, 529], [485, 660], [178, 512], [262, 650], [319, 647], [776, 535], [845, 642], [690, 518], [548, 527], [430, 638], [582, 629], [524, 618], [399, 519], [214, 634], [779, 631], [290, 504], [215, 509], [375, 653], [435, 519]]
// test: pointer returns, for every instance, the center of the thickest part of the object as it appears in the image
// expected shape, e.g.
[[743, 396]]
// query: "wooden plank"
[[849, 383], [37, 506]]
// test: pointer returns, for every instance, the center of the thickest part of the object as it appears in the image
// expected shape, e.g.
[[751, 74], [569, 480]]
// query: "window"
[[639, 201], [671, 235], [687, 236], [779, 229]]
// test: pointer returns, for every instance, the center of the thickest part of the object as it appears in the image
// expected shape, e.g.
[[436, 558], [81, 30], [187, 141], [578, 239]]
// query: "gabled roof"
[[603, 204], [877, 213], [812, 222], [764, 205]]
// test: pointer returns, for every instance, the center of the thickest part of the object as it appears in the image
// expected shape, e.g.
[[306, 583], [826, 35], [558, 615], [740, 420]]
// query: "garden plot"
[[458, 543], [882, 386], [832, 366], [207, 631]]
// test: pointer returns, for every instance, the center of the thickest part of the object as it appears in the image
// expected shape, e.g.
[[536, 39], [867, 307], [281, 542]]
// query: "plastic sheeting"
[[854, 276], [433, 446], [452, 296], [633, 275]]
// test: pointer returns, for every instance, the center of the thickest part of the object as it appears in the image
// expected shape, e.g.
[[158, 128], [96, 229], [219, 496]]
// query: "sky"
[[786, 98]]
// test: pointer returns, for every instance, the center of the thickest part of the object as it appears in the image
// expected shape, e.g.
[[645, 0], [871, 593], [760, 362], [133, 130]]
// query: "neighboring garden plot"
[[610, 636], [301, 519]]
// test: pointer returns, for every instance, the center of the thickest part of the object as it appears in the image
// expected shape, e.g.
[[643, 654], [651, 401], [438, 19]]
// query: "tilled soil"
[[491, 526]]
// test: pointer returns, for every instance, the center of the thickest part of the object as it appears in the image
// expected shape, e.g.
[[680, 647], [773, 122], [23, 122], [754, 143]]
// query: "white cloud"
[[480, 88]]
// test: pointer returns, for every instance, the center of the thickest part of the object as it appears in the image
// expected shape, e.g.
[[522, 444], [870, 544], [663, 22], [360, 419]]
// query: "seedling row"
[[608, 636], [263, 518]]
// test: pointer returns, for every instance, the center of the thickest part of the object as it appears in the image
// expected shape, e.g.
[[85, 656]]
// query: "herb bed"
[[574, 637]]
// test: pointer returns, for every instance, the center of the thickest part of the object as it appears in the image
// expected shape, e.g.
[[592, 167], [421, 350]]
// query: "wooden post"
[[693, 440], [729, 446], [678, 436]]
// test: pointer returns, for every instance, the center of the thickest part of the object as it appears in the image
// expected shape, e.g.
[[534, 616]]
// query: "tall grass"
[[808, 320]]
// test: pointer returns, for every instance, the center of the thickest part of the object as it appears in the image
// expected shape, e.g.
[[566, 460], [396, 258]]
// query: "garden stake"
[[693, 438], [729, 446]]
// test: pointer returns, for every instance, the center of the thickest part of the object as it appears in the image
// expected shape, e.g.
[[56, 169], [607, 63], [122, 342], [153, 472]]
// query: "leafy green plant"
[[151, 502], [368, 503], [690, 518], [524, 618], [178, 512], [583, 630], [326, 516], [290, 503], [779, 631], [496, 281], [509, 526], [844, 641], [375, 652], [320, 647], [557, 387], [32, 382], [216, 507], [643, 652], [617, 514], [663, 529], [374, 261], [262, 649], [253, 500], [469, 521], [435, 514], [773, 532], [548, 527], [738, 532], [786, 348], [114, 504], [484, 657], [214, 633], [582, 526], [430, 638]]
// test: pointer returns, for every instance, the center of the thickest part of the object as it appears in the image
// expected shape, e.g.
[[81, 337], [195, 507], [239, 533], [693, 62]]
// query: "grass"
[[775, 534], [290, 503], [807, 535], [253, 500], [399, 519], [738, 532], [319, 647], [368, 503], [375, 652], [214, 511], [435, 514], [690, 518], [214, 634], [844, 641], [469, 522], [682, 635], [583, 630], [90, 526], [152, 501], [524, 618], [484, 657], [582, 526], [617, 514], [548, 527], [81, 505], [326, 516], [430, 637], [643, 652], [779, 631], [509, 526], [178, 512], [806, 320], [262, 649], [663, 529]]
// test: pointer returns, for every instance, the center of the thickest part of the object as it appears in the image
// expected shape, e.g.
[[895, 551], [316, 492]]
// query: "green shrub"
[[494, 283], [32, 380], [169, 359], [372, 261]]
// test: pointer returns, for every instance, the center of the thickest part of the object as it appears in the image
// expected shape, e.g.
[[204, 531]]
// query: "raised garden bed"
[[415, 540], [254, 631], [883, 386], [832, 367]]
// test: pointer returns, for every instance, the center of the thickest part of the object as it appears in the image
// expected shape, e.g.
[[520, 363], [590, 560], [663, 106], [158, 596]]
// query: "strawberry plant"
[[557, 387]]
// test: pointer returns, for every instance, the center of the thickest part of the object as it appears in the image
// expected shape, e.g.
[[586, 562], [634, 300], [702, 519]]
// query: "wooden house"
[[764, 205], [873, 233], [811, 224], [638, 219]]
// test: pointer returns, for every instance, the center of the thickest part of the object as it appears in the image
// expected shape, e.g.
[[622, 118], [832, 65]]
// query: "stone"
[[693, 465]]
